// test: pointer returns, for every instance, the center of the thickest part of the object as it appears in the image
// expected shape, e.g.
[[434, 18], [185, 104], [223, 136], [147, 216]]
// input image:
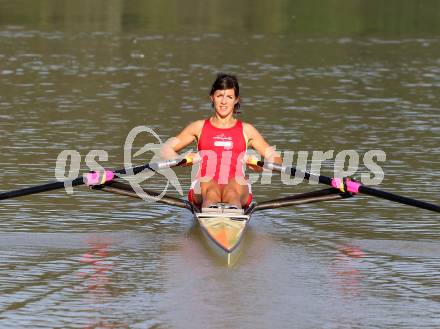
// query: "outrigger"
[[224, 225]]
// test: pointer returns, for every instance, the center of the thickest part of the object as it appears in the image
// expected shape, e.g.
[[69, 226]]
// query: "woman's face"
[[224, 102]]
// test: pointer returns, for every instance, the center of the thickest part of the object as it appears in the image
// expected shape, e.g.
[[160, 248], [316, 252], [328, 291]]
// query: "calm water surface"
[[81, 75]]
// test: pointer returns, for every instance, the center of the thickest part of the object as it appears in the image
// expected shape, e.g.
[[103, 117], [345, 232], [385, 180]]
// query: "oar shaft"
[[152, 166], [292, 171], [398, 198], [38, 189], [83, 179]]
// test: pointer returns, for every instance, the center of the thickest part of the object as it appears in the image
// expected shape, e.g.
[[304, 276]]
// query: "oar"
[[345, 185], [93, 178]]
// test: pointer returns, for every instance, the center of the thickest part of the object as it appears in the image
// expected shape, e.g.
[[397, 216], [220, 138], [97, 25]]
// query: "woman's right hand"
[[191, 158]]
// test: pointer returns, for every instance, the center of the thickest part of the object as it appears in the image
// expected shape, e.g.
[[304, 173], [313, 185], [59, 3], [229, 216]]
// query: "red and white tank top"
[[222, 151]]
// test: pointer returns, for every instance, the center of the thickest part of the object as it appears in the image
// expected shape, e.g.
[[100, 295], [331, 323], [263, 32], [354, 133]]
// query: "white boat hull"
[[223, 229]]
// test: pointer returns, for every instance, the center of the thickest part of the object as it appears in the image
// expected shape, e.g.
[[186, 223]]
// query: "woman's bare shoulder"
[[192, 129], [198, 123], [249, 129], [196, 126]]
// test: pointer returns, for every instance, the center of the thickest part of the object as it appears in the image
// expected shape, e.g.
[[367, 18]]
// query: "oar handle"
[[345, 185]]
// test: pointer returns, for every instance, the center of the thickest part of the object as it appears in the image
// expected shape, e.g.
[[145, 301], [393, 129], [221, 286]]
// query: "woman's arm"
[[256, 141], [188, 135]]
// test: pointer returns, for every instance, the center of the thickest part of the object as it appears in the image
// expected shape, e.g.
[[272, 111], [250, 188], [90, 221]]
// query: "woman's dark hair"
[[227, 81]]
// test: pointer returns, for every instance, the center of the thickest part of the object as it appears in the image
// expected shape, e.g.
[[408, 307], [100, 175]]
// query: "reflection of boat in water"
[[98, 266]]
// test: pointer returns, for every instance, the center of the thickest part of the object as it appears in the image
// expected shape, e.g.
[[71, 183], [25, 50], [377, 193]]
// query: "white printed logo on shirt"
[[223, 141]]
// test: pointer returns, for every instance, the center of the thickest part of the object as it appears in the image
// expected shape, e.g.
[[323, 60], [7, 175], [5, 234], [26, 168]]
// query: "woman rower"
[[222, 141]]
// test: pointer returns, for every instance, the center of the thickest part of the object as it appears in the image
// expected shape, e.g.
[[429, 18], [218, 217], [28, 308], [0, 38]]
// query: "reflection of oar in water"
[[345, 185], [93, 178]]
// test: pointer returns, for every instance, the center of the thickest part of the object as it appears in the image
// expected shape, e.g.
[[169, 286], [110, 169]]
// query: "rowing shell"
[[223, 227]]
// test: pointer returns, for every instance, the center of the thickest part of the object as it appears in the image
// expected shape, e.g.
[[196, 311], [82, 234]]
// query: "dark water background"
[[315, 76]]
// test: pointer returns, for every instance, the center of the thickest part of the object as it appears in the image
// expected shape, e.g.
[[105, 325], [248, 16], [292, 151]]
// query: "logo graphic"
[[223, 141], [346, 163], [136, 180]]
